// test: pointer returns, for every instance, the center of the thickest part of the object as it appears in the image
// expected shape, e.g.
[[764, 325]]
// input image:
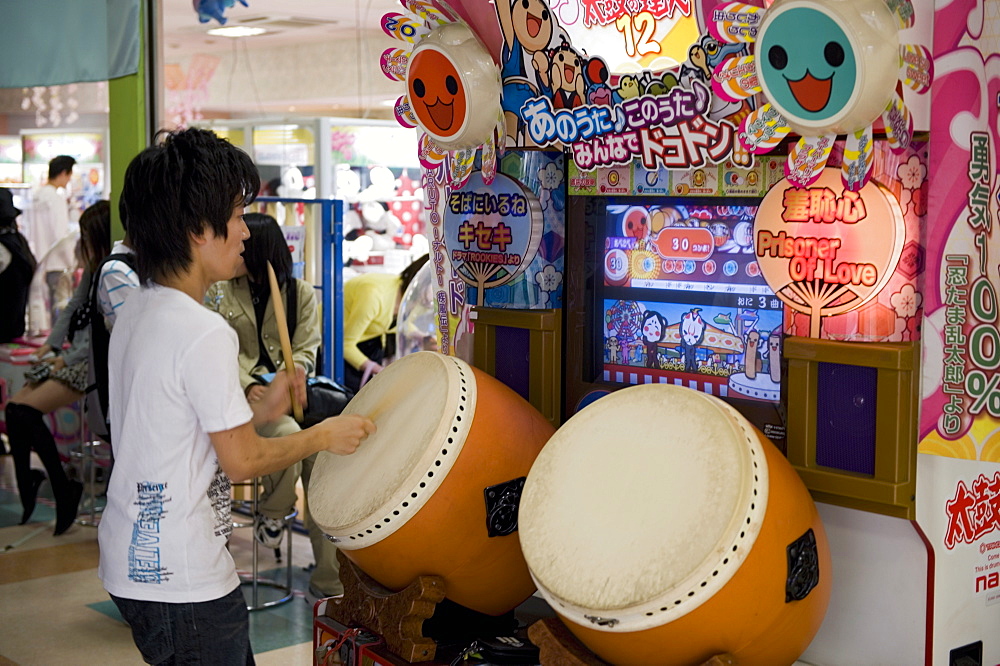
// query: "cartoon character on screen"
[[774, 353], [636, 223], [654, 331], [527, 27], [692, 335], [613, 348], [752, 356]]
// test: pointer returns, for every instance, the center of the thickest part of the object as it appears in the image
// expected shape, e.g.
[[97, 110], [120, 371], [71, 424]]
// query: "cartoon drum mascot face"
[[451, 82], [828, 68]]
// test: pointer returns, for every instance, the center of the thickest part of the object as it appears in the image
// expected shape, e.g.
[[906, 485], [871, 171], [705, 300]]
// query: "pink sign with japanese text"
[[958, 469]]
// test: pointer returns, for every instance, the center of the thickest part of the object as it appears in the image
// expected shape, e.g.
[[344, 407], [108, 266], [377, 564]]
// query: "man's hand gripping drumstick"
[[286, 342], [342, 434]]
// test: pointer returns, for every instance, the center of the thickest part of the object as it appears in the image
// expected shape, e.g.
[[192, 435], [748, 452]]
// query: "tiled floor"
[[53, 609]]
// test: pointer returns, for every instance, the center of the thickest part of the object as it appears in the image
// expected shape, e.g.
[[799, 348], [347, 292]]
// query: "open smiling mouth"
[[442, 115], [534, 25], [569, 73], [811, 93]]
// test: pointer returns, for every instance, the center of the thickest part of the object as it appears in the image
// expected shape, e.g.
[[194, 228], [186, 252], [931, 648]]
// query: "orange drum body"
[[693, 536], [435, 490]]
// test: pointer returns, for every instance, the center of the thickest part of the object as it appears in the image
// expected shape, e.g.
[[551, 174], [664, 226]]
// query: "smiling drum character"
[[810, 69], [437, 93], [827, 68]]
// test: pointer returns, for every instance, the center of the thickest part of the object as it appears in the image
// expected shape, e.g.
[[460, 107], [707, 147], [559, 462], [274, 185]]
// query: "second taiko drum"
[[663, 528]]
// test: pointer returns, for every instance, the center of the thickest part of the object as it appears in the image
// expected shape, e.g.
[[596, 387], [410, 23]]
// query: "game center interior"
[[703, 366]]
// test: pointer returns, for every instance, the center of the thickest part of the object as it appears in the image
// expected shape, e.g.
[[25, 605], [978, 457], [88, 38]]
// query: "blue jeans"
[[210, 632]]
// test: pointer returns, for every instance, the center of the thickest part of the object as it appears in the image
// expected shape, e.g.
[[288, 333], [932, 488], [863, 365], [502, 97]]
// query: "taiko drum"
[[435, 490], [663, 528]]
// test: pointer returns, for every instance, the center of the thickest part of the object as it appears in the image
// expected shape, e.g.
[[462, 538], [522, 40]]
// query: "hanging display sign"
[[283, 145], [10, 150], [617, 83], [452, 90], [491, 232], [40, 147], [824, 249]]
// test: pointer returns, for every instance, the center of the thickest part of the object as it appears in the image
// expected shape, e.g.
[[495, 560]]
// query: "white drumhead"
[[423, 406], [641, 506]]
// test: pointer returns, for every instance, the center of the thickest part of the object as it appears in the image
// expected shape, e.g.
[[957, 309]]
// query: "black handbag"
[[326, 398]]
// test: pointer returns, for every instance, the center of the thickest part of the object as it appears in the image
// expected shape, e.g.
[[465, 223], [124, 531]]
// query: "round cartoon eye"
[[834, 54], [545, 15], [525, 3], [778, 57], [828, 68], [597, 71], [419, 89], [711, 47], [451, 84]]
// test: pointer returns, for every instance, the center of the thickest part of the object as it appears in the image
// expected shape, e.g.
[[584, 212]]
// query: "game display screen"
[[684, 301]]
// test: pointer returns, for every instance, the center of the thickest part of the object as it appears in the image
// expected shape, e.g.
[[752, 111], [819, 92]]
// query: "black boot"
[[29, 496], [67, 505], [27, 431], [19, 432]]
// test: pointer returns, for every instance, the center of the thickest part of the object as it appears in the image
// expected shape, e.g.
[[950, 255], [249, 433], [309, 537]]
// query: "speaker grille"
[[511, 358], [845, 417]]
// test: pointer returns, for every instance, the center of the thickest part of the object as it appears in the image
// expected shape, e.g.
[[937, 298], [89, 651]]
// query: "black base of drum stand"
[[557, 646], [397, 617]]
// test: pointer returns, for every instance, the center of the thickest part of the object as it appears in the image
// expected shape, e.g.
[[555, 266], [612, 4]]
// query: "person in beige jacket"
[[245, 302]]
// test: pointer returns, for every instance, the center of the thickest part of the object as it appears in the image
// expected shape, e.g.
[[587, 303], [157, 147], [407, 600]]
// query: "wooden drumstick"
[[286, 342]]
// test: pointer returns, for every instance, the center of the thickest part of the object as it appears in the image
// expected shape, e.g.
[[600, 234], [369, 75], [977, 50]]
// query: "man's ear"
[[199, 238]]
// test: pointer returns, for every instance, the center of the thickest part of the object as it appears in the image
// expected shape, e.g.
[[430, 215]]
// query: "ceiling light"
[[236, 31], [388, 102]]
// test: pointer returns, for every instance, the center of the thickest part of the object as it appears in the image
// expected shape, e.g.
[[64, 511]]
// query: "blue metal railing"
[[331, 240]]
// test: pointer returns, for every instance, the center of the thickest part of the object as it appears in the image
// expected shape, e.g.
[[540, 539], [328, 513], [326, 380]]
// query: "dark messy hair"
[[410, 272], [266, 243], [60, 164], [95, 233], [188, 182]]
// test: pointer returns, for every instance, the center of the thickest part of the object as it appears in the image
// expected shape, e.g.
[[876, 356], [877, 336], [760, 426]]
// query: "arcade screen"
[[683, 298]]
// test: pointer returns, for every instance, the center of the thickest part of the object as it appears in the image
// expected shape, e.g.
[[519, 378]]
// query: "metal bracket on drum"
[[502, 503], [803, 567]]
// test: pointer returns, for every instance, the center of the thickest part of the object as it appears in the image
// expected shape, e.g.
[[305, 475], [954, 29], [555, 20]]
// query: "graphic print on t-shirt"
[[144, 565], [219, 494]]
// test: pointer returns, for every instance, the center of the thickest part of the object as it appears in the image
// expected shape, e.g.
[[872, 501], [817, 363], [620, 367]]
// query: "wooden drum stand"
[[397, 617]]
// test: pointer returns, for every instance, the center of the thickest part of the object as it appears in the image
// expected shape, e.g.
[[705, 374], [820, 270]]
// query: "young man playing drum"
[[181, 426]]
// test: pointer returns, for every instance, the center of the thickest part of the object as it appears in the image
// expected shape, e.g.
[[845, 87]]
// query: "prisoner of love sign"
[[825, 250]]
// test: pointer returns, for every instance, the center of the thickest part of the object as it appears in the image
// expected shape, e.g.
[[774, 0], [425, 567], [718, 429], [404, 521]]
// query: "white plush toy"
[[380, 225], [292, 187]]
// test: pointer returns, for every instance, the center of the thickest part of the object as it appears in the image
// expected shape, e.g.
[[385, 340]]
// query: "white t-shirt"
[[173, 379], [49, 223]]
